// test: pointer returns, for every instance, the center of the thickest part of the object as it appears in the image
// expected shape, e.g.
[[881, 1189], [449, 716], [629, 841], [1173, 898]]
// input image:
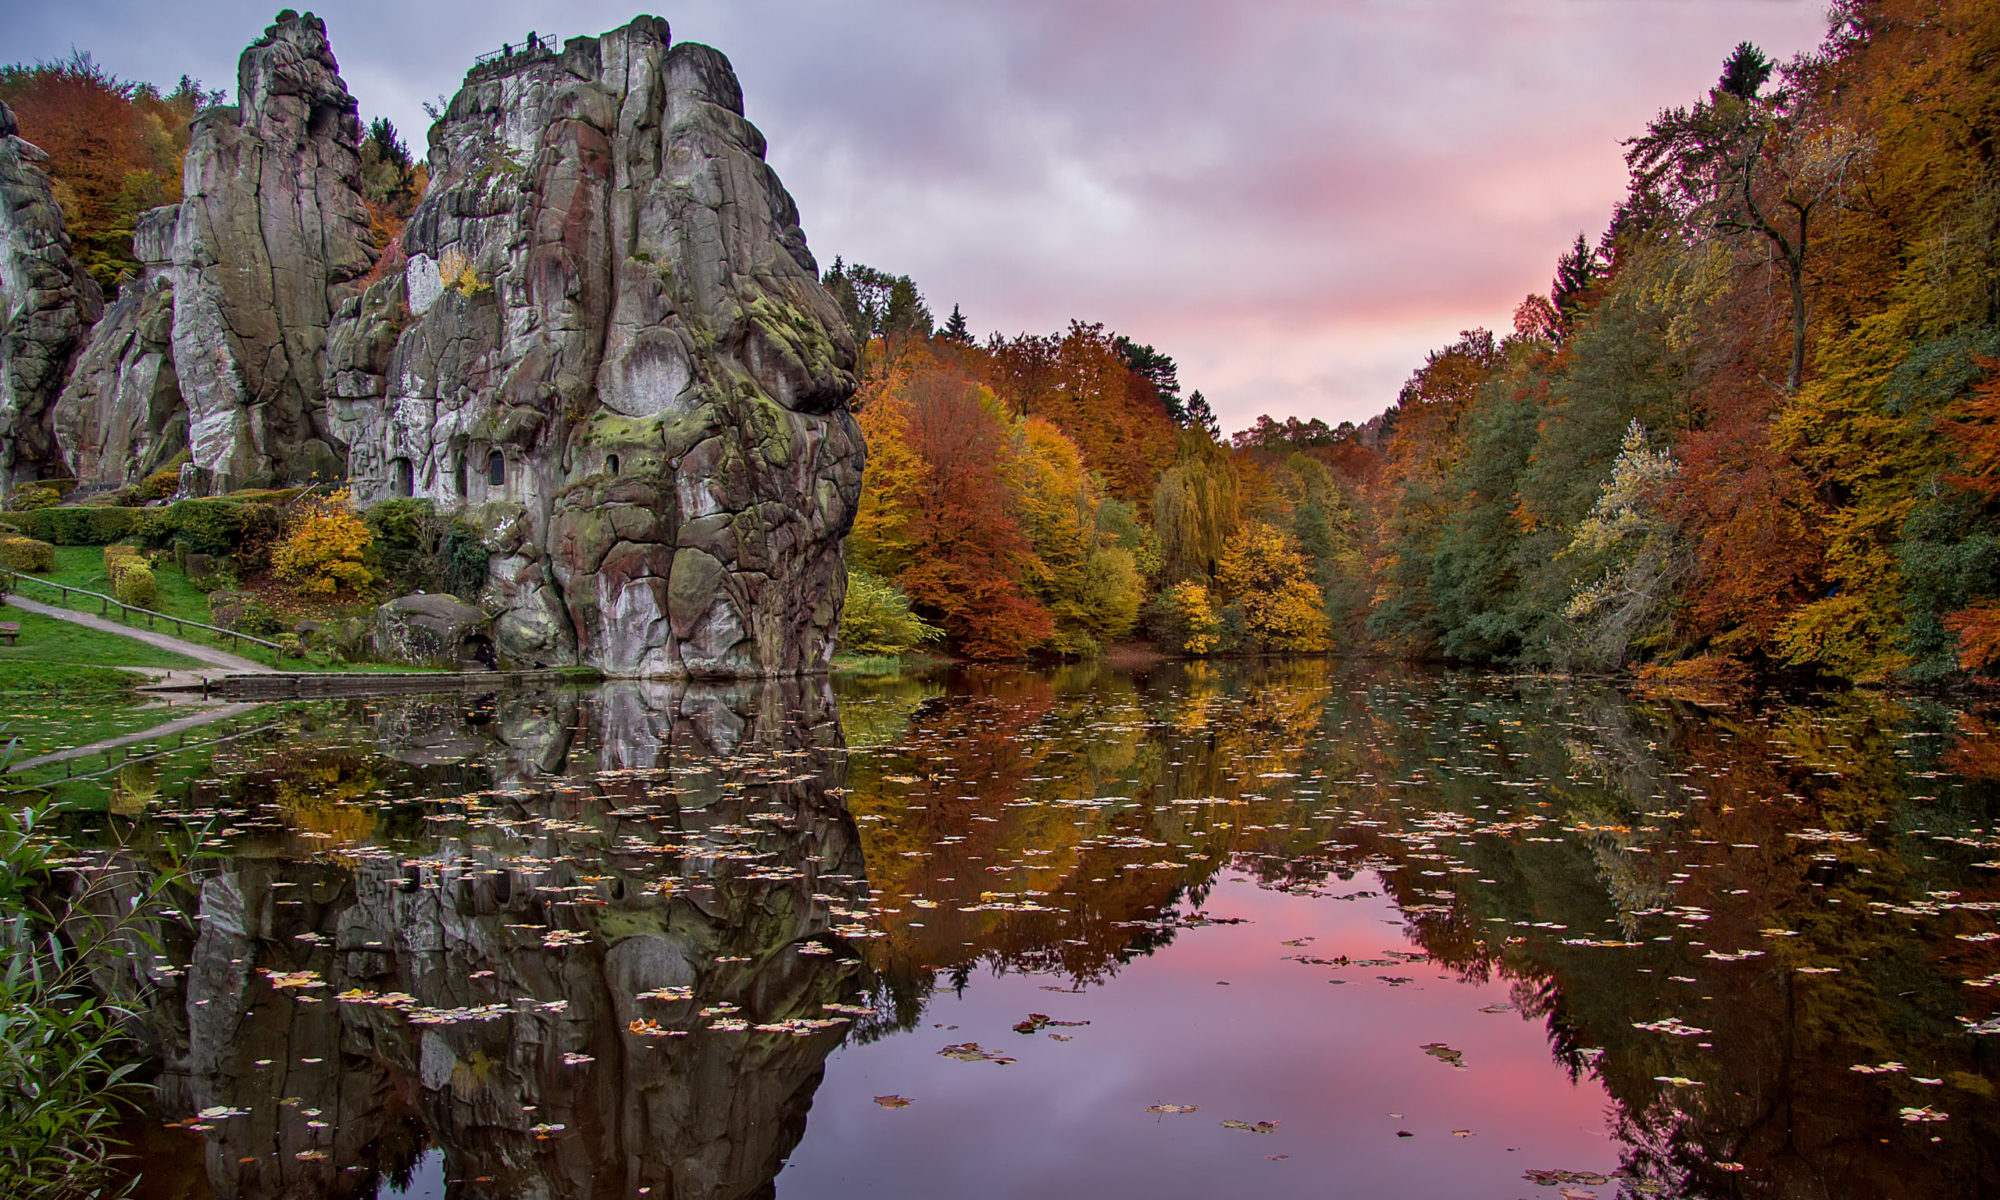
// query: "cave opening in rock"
[[323, 120], [458, 475], [496, 468], [611, 465], [403, 477]]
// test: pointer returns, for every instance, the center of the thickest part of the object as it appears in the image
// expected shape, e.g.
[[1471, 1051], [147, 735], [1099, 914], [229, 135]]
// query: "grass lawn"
[[47, 642], [83, 567], [60, 686]]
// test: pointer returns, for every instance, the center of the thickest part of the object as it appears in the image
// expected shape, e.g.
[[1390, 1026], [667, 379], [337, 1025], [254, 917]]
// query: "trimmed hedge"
[[133, 583], [27, 554], [220, 528], [77, 525], [131, 576]]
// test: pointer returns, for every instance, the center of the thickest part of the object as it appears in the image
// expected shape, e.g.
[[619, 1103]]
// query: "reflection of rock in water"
[[503, 963]]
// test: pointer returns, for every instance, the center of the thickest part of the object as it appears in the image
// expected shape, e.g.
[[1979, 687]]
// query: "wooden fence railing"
[[180, 624]]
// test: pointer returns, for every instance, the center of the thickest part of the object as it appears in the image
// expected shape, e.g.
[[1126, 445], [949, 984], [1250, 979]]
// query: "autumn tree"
[[1273, 602], [877, 618], [114, 150], [391, 181], [324, 547], [1089, 584], [1743, 164], [941, 521], [1630, 556], [1195, 510]]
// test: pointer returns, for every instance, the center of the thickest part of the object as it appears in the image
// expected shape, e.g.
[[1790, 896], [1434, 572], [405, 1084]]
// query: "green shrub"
[[67, 1052], [245, 612], [29, 497], [133, 583], [418, 549], [161, 483], [80, 525], [878, 619], [406, 535], [26, 554], [464, 555], [215, 527]]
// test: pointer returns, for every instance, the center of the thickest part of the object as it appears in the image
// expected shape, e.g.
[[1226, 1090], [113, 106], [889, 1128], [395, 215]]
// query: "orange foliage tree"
[[114, 150]]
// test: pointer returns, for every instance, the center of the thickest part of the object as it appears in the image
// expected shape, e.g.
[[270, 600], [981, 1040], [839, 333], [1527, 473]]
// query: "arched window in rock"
[[402, 477], [611, 464], [458, 475], [496, 468]]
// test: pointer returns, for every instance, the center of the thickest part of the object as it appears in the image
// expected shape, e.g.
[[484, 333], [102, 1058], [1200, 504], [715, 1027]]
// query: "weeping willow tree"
[[1194, 510]]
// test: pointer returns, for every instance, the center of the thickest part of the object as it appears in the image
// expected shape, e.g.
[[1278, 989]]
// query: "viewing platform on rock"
[[511, 56]]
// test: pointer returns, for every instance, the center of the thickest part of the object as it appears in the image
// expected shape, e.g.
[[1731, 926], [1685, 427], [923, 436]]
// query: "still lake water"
[[1287, 930]]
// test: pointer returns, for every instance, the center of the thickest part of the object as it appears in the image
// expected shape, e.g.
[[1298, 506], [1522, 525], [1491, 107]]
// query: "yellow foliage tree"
[[1272, 592], [323, 547], [1193, 622], [1091, 587]]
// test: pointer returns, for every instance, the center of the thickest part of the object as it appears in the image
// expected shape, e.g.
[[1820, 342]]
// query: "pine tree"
[[1744, 72], [1200, 416], [956, 330]]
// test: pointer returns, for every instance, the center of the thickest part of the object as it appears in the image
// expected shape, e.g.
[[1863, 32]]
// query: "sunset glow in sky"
[[1296, 200]]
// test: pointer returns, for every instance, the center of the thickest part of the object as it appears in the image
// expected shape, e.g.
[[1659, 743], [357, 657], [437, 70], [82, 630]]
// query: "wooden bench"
[[9, 630]]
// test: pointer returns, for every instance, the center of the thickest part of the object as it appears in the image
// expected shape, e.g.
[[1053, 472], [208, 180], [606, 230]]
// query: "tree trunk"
[[1795, 270]]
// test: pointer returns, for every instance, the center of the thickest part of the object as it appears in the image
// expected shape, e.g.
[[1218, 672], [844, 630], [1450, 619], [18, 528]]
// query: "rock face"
[[47, 304], [608, 345], [219, 349], [432, 629]]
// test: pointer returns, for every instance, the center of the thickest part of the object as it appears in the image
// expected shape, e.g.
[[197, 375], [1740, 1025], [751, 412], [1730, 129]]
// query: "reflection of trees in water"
[[1725, 840], [1617, 822], [652, 840]]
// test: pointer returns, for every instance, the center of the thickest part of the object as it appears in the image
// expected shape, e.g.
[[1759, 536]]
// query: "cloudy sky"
[[1295, 199]]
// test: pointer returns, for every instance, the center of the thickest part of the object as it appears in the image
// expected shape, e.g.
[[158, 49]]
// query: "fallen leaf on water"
[[1250, 1127], [1926, 1113], [1678, 1080], [970, 1052], [1036, 1021], [1555, 1178], [1172, 1108], [1445, 1054], [894, 1101], [1461, 1133]]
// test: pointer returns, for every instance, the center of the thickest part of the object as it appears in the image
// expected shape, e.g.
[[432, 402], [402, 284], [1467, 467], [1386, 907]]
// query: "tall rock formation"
[[608, 344], [47, 305], [219, 349]]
